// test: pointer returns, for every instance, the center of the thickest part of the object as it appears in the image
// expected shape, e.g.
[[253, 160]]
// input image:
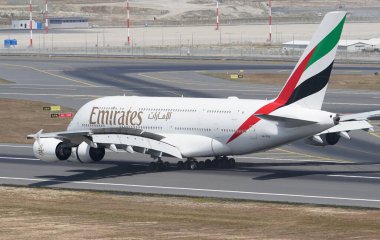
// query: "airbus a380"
[[188, 128]]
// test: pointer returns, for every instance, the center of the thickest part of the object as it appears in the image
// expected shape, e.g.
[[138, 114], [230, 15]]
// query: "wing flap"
[[137, 141]]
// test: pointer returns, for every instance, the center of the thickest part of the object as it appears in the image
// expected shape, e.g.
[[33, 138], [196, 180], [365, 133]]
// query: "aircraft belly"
[[191, 145], [220, 148]]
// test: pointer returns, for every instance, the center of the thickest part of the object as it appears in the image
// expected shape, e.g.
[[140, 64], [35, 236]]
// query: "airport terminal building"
[[54, 23]]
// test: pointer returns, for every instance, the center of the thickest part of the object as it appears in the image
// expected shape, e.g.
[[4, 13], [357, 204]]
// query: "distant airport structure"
[[343, 45], [68, 22], [25, 24], [53, 23]]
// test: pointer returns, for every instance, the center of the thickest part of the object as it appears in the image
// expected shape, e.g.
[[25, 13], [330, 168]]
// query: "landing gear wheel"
[[160, 165], [231, 163], [166, 165], [201, 165], [220, 163], [208, 163], [180, 165], [193, 165], [225, 163], [152, 166], [214, 163]]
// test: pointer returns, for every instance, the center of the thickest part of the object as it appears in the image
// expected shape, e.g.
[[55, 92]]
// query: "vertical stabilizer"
[[307, 84]]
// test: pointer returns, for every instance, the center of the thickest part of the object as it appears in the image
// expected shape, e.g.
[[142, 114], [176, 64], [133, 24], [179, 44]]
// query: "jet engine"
[[51, 150], [86, 154], [324, 139]]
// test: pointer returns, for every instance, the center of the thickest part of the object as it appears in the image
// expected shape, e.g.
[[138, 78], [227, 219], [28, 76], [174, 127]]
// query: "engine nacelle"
[[327, 139], [86, 154], [332, 138], [51, 150]]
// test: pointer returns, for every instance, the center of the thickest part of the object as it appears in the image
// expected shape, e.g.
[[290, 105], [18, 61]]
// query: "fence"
[[237, 41]]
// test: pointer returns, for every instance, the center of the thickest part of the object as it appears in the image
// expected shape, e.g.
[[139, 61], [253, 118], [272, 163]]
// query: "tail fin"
[[307, 84]]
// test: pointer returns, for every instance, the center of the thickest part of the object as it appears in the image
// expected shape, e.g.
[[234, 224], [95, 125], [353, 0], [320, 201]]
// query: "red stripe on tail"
[[282, 98]]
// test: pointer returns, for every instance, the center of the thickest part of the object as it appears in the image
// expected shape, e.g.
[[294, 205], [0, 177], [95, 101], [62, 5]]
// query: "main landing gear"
[[218, 163], [192, 164], [159, 165]]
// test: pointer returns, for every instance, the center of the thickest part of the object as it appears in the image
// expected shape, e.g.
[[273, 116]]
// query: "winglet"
[[35, 136]]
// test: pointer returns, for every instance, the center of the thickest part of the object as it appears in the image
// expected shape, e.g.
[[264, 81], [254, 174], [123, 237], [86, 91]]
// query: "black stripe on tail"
[[310, 86]]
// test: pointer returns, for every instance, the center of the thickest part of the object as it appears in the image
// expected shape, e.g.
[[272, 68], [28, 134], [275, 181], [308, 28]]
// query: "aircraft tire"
[[152, 166], [208, 163], [180, 165], [231, 163], [193, 165], [201, 165], [166, 165]]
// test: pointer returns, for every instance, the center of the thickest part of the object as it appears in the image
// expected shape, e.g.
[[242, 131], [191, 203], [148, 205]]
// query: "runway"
[[346, 174]]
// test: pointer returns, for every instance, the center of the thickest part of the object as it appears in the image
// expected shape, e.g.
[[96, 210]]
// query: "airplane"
[[190, 128]]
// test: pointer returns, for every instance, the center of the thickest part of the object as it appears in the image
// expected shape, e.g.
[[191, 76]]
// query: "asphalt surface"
[[346, 174]]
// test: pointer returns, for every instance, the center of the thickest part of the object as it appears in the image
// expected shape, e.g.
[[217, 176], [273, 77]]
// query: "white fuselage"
[[199, 127]]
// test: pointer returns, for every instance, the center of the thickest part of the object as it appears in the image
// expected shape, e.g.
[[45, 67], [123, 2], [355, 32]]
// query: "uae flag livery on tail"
[[307, 84]]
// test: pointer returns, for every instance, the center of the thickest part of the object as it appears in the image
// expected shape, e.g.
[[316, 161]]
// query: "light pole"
[[31, 24]]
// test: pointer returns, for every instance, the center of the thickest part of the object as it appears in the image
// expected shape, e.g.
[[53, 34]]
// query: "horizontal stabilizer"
[[349, 126], [374, 115], [285, 121]]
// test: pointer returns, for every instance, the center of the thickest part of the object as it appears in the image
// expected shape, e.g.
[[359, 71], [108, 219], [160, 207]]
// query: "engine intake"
[[332, 138], [86, 154], [51, 150]]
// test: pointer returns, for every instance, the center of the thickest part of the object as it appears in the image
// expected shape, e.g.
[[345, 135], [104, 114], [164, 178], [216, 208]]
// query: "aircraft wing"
[[67, 135], [140, 140]]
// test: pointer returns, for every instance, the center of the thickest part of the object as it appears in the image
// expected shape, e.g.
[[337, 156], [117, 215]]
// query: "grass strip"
[[36, 213], [22, 117]]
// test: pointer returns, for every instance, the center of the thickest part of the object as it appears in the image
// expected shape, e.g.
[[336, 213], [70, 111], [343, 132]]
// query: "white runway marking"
[[16, 146], [351, 176], [353, 104], [192, 189], [51, 94], [360, 92], [295, 160], [17, 158], [36, 88], [56, 85]]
